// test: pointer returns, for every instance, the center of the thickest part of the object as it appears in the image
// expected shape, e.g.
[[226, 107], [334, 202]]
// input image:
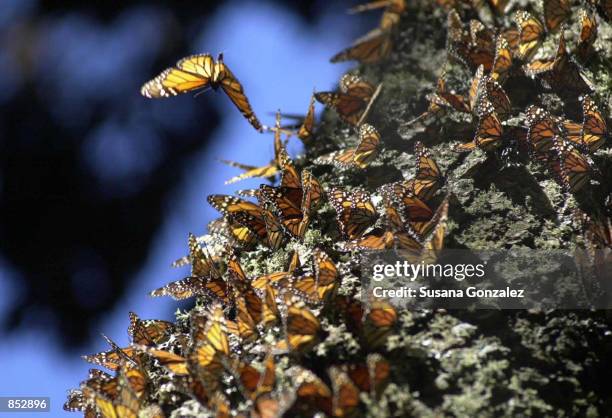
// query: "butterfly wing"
[[234, 90], [191, 73]]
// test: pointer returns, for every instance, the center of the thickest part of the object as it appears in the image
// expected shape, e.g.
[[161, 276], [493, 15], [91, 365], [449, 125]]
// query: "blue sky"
[[279, 60]]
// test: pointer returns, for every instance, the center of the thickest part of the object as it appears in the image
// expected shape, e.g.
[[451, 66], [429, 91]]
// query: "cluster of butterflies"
[[206, 354], [213, 355], [377, 44], [562, 146]]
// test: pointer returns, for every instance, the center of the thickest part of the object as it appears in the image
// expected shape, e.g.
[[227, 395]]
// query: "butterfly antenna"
[[370, 103]]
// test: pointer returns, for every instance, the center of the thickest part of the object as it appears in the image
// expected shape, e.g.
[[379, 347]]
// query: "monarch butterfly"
[[307, 128], [588, 35], [345, 394], [542, 129], [570, 167], [245, 218], [374, 46], [267, 171], [270, 313], [355, 211], [322, 286], [254, 382], [425, 245], [561, 73], [428, 178], [530, 34], [540, 66], [211, 287], [100, 382], [362, 156], [211, 343], [472, 49], [502, 63], [311, 395], [489, 134], [351, 101], [243, 285], [402, 206], [377, 239], [148, 332], [198, 72], [496, 97], [555, 13], [247, 327], [371, 376], [442, 98], [594, 129], [512, 36], [379, 321], [301, 326], [114, 358], [172, 362], [125, 405]]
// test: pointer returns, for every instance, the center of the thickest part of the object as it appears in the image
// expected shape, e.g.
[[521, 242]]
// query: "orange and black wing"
[[191, 73], [531, 34], [234, 90]]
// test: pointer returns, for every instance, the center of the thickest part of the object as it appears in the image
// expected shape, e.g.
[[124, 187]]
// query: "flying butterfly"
[[351, 101], [530, 35], [362, 156], [428, 178], [555, 13], [355, 211], [198, 72]]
